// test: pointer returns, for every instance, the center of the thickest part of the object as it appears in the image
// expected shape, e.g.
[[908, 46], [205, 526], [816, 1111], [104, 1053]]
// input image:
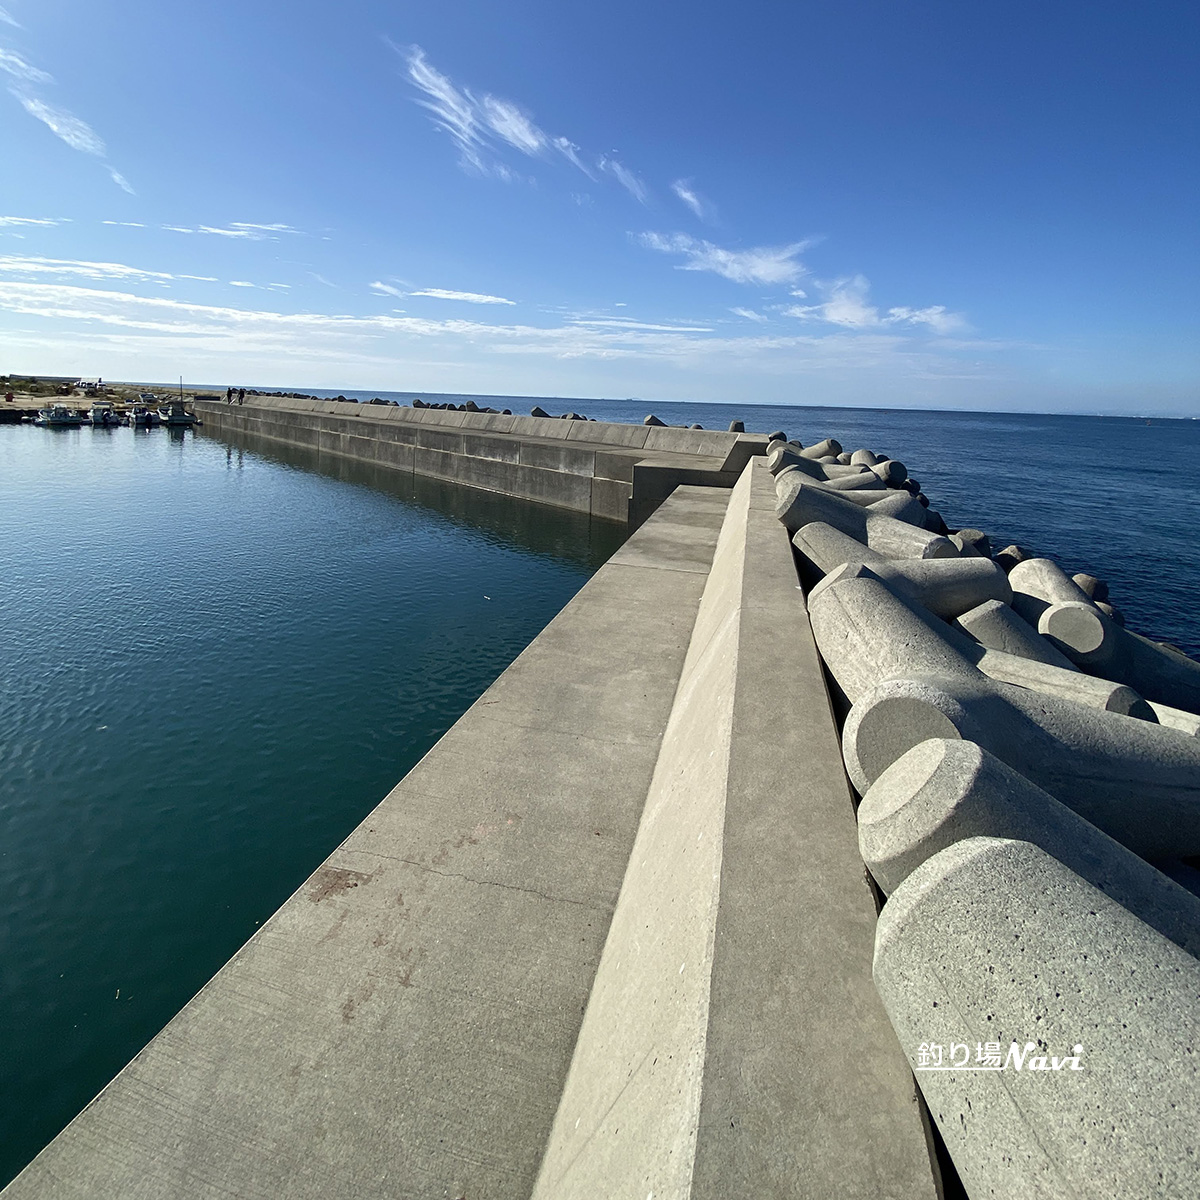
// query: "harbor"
[[614, 933]]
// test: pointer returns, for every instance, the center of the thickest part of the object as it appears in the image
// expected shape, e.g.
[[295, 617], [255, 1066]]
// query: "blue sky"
[[937, 205]]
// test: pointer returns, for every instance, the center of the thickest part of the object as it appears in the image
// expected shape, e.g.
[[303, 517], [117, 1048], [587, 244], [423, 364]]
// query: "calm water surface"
[[213, 664]]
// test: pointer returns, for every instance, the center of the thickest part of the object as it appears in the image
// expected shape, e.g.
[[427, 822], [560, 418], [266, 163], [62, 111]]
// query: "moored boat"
[[141, 417], [175, 415], [104, 415], [59, 416]]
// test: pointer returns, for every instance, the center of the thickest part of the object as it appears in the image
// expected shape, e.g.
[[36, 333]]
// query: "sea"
[[216, 659]]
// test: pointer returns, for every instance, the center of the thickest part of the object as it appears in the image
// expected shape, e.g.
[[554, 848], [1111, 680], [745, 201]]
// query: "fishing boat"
[[175, 415], [59, 416], [103, 415], [141, 417]]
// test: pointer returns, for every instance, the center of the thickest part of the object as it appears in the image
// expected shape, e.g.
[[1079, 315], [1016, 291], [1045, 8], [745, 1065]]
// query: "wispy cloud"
[[6, 18], [6, 221], [703, 208], [241, 283], [12, 64], [246, 231], [845, 303], [72, 130], [127, 224], [749, 314], [629, 323], [625, 177], [481, 127], [12, 264], [79, 135], [469, 297], [761, 265], [385, 289], [169, 327]]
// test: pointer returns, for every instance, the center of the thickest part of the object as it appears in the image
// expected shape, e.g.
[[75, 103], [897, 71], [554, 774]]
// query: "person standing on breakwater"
[[229, 395], [241, 395]]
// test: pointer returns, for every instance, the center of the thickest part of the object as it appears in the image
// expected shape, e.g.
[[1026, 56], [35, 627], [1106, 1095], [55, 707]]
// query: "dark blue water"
[[213, 664], [1113, 496]]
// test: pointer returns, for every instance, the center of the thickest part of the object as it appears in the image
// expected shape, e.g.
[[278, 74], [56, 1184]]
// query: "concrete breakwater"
[[1030, 778], [613, 935], [617, 472]]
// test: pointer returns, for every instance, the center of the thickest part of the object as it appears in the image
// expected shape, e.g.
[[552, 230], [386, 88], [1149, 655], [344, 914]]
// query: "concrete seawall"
[[617, 472], [611, 937]]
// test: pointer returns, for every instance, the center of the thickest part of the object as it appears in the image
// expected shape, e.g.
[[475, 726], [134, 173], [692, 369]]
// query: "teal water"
[[213, 663]]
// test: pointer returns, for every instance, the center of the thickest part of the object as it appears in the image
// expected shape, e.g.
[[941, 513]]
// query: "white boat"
[[103, 414], [144, 418], [59, 416]]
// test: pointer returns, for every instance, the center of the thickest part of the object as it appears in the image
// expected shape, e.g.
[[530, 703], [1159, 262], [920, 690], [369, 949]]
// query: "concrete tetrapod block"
[[892, 472], [910, 677], [944, 791], [1176, 718], [1137, 781], [1038, 583], [863, 481], [994, 947], [994, 624], [868, 458], [801, 503], [945, 586], [1069, 684], [830, 447], [781, 456], [1095, 642]]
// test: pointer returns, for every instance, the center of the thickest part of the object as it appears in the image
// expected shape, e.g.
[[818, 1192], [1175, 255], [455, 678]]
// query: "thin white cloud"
[[244, 231], [749, 314], [627, 323], [8, 19], [321, 279], [483, 126], [79, 135], [121, 181], [845, 303], [7, 221], [511, 125], [570, 152], [386, 289], [625, 177], [13, 264], [127, 224], [455, 112], [12, 64], [241, 283], [274, 227], [761, 265], [936, 317], [250, 234], [140, 327], [469, 297], [703, 208]]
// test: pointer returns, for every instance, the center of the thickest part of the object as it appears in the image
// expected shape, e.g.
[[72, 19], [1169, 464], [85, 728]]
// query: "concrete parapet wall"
[[724, 1045], [617, 472]]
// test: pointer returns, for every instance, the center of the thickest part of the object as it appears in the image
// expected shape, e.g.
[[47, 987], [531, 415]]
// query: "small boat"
[[59, 416], [103, 415], [141, 417], [176, 416]]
